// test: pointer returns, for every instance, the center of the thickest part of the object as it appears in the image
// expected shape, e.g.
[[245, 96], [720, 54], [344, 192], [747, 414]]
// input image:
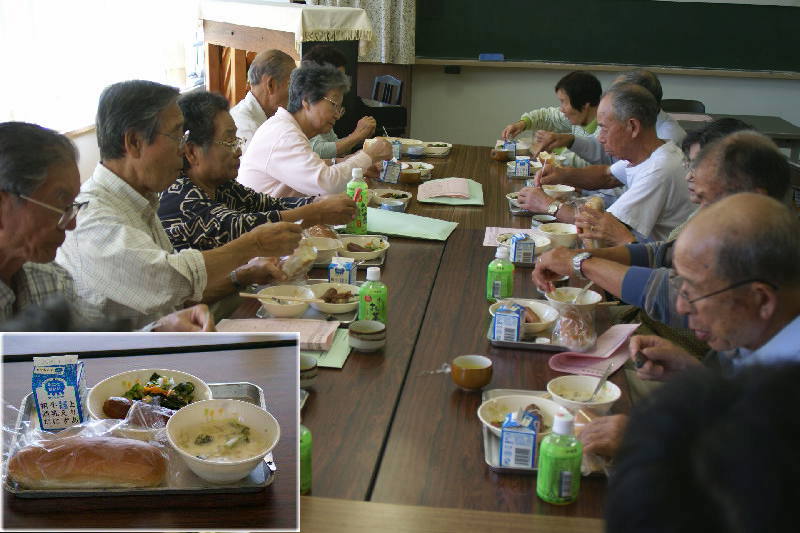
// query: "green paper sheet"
[[387, 222], [475, 196], [337, 355]]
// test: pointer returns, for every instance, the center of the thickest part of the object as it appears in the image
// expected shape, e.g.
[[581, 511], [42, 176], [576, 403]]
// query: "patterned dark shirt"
[[193, 220]]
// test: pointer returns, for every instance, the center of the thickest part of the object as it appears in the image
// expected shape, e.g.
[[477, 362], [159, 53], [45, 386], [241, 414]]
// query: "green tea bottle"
[[372, 297], [305, 460], [560, 453], [500, 276], [357, 190]]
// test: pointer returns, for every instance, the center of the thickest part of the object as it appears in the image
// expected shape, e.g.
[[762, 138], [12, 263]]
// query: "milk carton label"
[[511, 146], [518, 440], [59, 391], [523, 249], [342, 270], [390, 172], [507, 323], [523, 165]]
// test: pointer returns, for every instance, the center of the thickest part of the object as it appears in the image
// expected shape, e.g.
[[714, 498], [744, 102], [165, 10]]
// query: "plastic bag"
[[575, 329], [297, 265]]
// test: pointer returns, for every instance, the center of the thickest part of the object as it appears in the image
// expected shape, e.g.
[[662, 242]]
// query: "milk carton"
[[507, 322], [518, 440], [390, 172], [59, 391], [523, 165], [523, 248], [511, 146], [342, 270]]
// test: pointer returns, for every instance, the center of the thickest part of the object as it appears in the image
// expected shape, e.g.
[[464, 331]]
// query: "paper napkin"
[[475, 196], [338, 353], [407, 225], [611, 347], [314, 334]]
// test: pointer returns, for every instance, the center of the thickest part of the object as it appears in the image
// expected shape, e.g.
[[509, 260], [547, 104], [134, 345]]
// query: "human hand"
[[603, 435], [552, 265], [658, 359], [194, 318], [550, 174], [373, 171], [594, 224], [365, 128], [548, 140], [334, 209], [534, 199], [275, 239], [379, 149], [260, 270], [512, 130]]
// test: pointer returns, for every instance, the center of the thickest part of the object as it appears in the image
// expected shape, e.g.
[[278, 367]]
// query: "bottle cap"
[[502, 252], [357, 174], [374, 274], [563, 424]]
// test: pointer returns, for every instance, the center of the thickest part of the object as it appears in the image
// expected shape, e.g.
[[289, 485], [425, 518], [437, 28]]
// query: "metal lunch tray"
[[258, 480], [344, 319], [491, 443], [378, 261], [526, 345]]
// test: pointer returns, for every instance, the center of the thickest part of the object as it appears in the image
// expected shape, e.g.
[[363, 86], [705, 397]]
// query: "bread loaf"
[[87, 462], [596, 203]]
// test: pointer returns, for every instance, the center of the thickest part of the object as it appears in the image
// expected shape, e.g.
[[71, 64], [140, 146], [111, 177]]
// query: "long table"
[[382, 431], [273, 369]]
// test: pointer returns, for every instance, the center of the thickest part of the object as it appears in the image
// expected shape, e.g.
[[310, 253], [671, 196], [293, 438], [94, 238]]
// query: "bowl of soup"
[[223, 441], [573, 392], [560, 234]]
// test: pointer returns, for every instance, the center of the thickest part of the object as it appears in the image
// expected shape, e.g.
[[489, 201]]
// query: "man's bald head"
[[747, 161], [751, 236], [271, 63]]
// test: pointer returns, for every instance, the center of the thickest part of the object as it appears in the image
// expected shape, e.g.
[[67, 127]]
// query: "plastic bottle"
[[500, 276], [357, 190], [305, 460], [560, 453], [372, 297]]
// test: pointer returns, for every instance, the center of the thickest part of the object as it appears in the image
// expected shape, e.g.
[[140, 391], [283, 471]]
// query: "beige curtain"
[[393, 24]]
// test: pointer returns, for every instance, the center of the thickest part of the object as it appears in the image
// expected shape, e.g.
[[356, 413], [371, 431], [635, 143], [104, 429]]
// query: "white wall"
[[474, 106], [89, 152]]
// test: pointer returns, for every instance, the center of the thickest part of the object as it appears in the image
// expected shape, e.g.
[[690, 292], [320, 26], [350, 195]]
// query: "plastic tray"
[[258, 479], [344, 319], [525, 345]]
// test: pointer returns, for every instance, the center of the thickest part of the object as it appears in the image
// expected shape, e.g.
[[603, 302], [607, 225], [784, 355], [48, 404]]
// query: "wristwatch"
[[577, 262], [552, 209], [235, 280]]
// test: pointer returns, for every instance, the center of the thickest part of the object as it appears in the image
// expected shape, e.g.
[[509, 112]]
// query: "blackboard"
[[624, 32]]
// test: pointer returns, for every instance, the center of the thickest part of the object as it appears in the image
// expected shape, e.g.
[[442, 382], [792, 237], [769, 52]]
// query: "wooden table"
[[274, 369], [385, 433]]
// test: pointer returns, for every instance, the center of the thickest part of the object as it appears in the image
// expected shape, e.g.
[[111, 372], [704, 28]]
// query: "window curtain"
[[393, 24]]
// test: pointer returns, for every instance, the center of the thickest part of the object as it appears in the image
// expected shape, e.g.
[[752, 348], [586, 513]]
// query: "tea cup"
[[308, 370], [471, 372], [367, 335]]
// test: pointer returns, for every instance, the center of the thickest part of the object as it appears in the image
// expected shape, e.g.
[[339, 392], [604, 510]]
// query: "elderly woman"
[[206, 208], [280, 161]]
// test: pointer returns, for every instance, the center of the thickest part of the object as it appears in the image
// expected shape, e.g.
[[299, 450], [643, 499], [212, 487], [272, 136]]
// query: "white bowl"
[[366, 335], [565, 389], [559, 192], [319, 289], [437, 150], [496, 409], [542, 243], [562, 297], [308, 370], [547, 313], [260, 421], [375, 195], [363, 241], [326, 248], [286, 309], [118, 385], [560, 234], [423, 168]]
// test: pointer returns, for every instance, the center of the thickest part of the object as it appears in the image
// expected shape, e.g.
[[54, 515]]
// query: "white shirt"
[[656, 199], [120, 258], [281, 163], [248, 116], [784, 347]]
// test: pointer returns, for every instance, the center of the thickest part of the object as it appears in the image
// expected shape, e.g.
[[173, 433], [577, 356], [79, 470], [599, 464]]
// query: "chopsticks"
[[281, 298]]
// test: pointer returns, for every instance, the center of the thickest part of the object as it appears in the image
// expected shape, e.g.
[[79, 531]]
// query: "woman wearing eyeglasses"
[[206, 207], [279, 160]]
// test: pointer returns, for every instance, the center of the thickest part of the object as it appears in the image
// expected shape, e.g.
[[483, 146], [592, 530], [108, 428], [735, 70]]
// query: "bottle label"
[[372, 304], [558, 479]]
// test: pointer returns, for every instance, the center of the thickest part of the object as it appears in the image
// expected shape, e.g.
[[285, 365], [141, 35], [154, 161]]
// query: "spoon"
[[601, 383], [582, 292]]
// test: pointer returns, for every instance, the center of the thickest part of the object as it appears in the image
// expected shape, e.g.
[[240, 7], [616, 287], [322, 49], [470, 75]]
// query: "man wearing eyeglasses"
[[119, 255], [206, 207], [738, 281]]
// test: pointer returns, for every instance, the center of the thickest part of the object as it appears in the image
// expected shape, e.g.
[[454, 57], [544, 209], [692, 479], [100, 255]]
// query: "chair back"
[[682, 106], [387, 89]]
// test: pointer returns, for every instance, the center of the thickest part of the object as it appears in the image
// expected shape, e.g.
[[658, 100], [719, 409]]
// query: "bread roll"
[[321, 230], [87, 462], [596, 203]]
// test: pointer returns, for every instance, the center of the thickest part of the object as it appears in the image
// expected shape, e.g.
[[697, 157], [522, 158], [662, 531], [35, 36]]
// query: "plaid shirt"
[[193, 220], [34, 284], [122, 260]]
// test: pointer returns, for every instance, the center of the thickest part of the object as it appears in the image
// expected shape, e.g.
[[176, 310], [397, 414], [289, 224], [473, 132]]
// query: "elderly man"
[[39, 181], [206, 207], [268, 76], [119, 255], [656, 199], [737, 281], [744, 161]]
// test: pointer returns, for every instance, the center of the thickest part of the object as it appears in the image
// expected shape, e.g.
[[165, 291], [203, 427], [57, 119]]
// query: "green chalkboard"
[[632, 32]]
